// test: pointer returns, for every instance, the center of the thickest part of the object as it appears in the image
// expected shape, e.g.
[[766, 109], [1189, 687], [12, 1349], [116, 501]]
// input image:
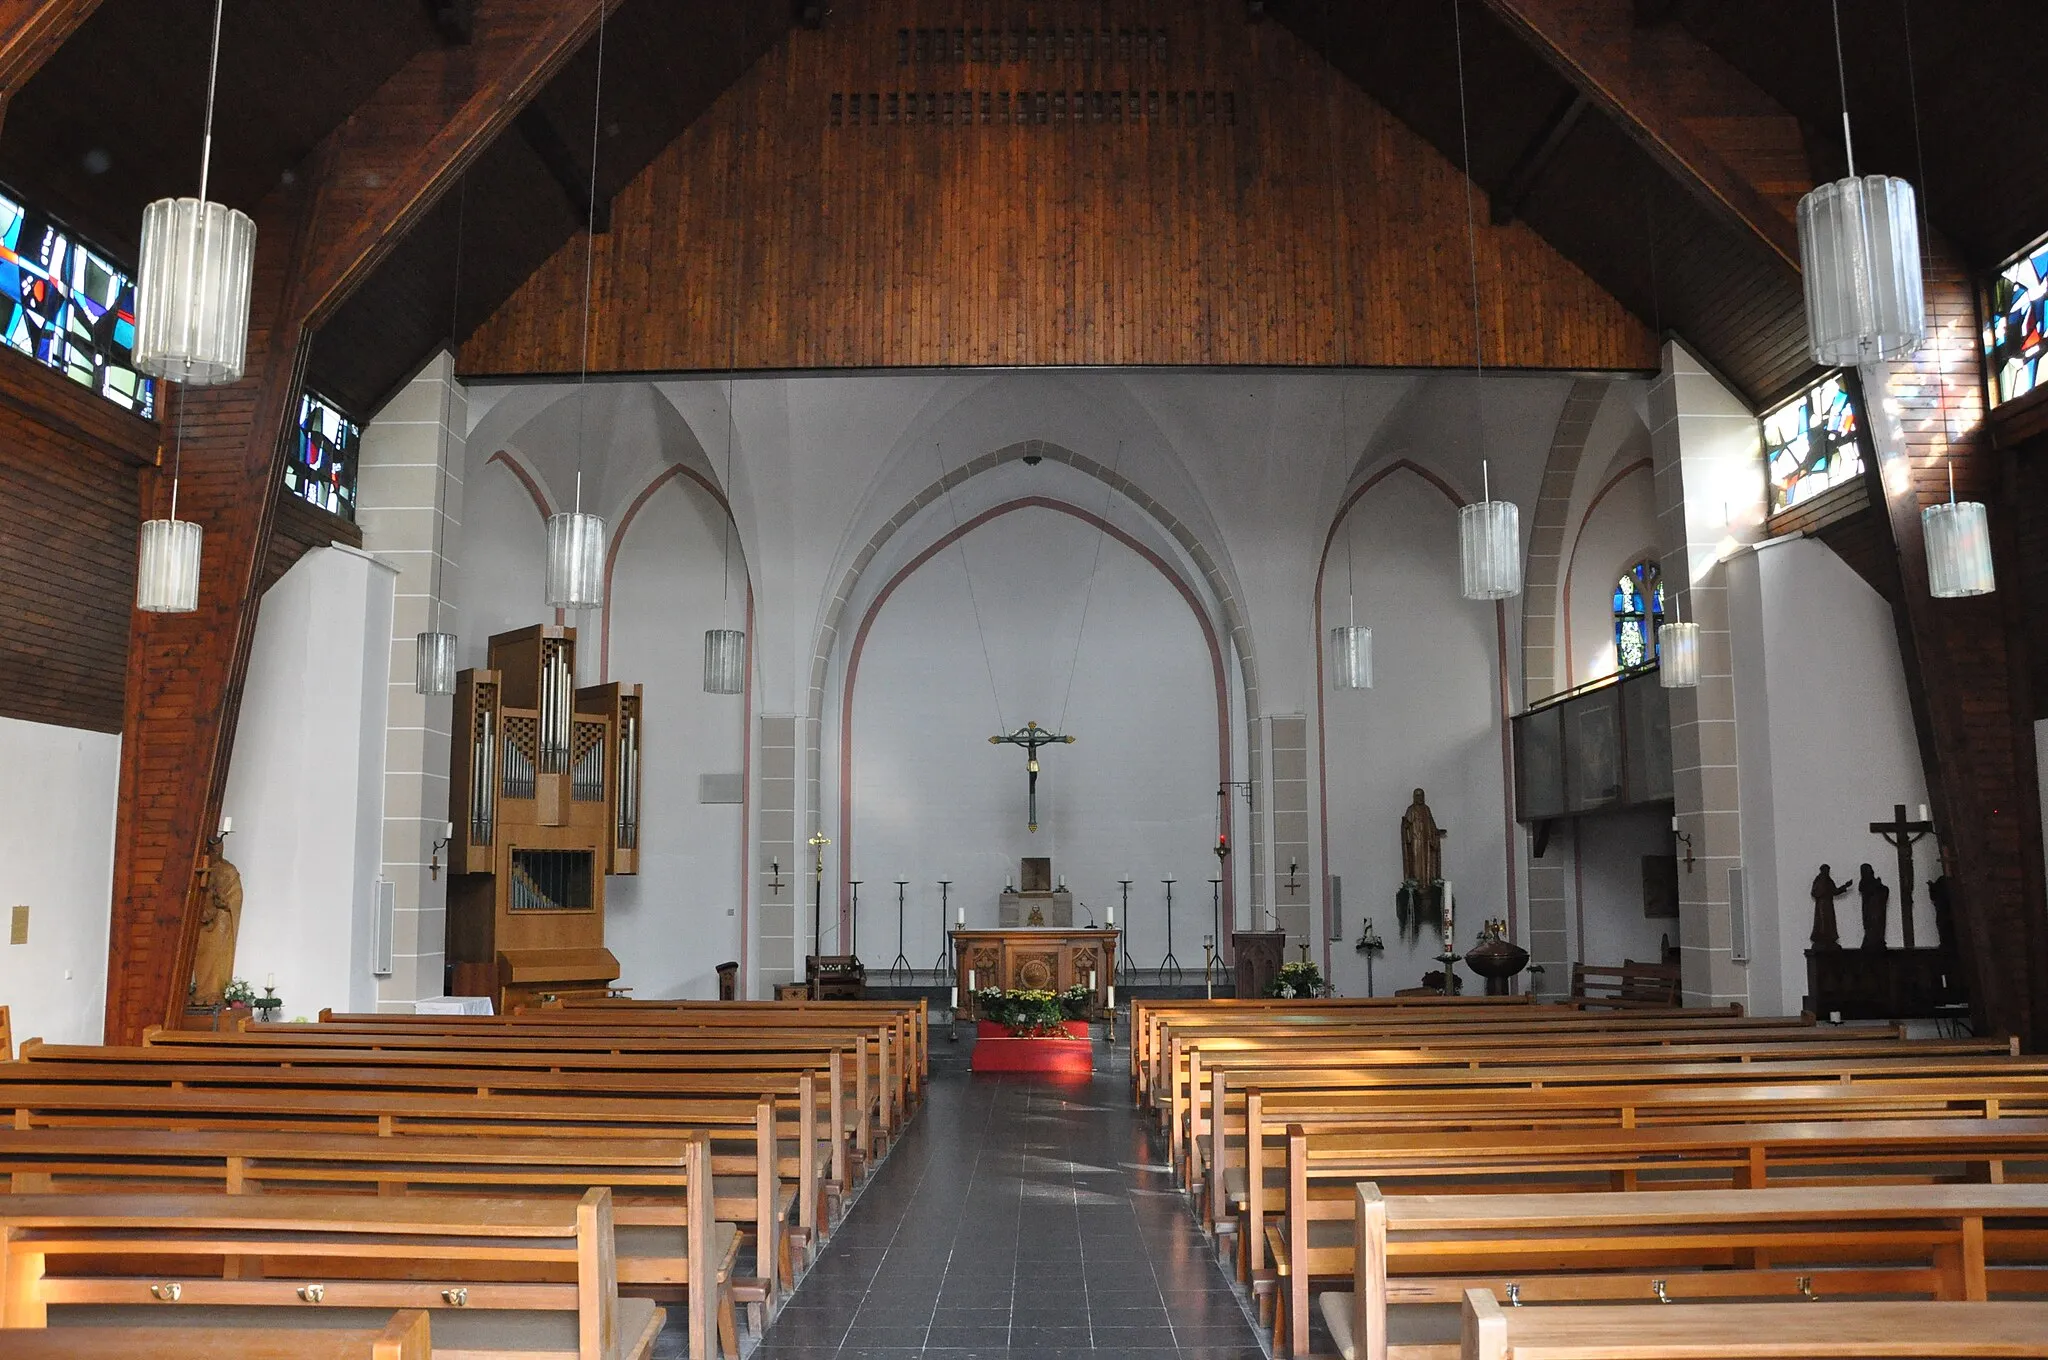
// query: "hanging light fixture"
[[167, 576], [1490, 544], [192, 288], [1350, 645], [725, 649], [1678, 651], [575, 575], [1859, 249], [434, 650], [1490, 531], [1958, 535]]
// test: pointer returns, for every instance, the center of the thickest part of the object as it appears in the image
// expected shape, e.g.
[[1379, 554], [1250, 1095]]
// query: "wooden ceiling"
[[112, 120]]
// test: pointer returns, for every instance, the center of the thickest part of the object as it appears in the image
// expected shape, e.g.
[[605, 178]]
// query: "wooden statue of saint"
[[1422, 844], [1877, 900], [219, 893], [1826, 935]]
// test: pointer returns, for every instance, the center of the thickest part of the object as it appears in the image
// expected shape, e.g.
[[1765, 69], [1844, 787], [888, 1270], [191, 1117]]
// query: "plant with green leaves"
[[1300, 979], [1032, 1013]]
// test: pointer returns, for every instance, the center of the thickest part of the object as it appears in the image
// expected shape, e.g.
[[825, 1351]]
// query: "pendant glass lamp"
[[1678, 652], [1351, 656], [434, 663], [1859, 253], [1859, 250], [1490, 544], [725, 661], [1958, 535], [167, 574], [575, 560], [192, 287]]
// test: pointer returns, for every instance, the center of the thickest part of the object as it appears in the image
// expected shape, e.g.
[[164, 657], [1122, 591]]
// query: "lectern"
[[544, 794]]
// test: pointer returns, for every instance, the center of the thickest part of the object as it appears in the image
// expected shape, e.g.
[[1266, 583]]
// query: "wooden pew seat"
[[485, 1267], [1752, 1331], [405, 1337], [1416, 1255]]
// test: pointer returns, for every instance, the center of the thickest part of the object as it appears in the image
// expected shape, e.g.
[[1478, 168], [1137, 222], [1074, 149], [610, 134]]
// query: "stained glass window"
[[1638, 610], [66, 305], [323, 466], [1810, 443], [2014, 339]]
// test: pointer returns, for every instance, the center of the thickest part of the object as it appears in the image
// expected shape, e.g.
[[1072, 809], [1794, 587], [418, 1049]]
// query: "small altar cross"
[[1901, 834], [1031, 736]]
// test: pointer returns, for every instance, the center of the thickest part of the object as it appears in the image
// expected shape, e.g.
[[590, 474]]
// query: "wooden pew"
[[668, 1245], [793, 1093], [913, 1016], [743, 1133], [1752, 1331], [405, 1337], [464, 1259], [1174, 1040], [305, 1045], [1632, 986], [1353, 1098], [890, 1090], [1418, 1254]]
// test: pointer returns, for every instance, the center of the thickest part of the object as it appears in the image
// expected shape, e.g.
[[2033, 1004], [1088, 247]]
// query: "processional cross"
[[1031, 736], [1900, 833]]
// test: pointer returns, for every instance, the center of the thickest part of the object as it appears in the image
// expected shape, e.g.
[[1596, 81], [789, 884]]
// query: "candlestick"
[[269, 981]]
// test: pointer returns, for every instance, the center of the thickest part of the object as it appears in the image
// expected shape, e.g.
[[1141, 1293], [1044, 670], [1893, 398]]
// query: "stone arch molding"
[[1211, 566]]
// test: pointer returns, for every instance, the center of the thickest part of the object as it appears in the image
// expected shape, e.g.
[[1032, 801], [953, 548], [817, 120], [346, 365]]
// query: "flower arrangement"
[[238, 992], [1299, 979], [1032, 1013]]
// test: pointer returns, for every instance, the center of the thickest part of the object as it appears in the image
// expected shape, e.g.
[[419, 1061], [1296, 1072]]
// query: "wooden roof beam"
[[30, 30], [1675, 97], [361, 189], [1536, 157]]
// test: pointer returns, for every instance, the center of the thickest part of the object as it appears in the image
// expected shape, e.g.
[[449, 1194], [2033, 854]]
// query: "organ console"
[[544, 792]]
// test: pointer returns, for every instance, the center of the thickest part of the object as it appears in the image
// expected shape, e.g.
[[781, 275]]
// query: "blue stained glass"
[[322, 471], [1810, 443], [65, 305], [1638, 613], [2016, 335]]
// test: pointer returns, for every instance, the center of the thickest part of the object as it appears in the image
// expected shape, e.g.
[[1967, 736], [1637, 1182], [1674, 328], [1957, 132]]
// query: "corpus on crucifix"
[[1899, 833], [1031, 736]]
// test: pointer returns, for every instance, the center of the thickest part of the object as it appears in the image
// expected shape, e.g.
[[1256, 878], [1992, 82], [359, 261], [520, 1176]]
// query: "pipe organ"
[[544, 794]]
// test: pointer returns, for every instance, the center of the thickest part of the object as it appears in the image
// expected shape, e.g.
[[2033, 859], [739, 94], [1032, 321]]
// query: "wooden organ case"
[[544, 792]]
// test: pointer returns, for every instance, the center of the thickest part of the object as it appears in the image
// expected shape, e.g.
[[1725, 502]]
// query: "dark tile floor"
[[1018, 1216]]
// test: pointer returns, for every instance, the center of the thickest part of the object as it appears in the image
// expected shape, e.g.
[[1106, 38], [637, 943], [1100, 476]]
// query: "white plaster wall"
[[58, 809], [1432, 721], [1134, 796], [1818, 669], [1620, 530], [504, 561], [306, 782], [1609, 883], [674, 922]]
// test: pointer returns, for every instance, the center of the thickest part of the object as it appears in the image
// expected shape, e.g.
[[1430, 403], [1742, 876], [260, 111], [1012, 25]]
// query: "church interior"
[[1200, 658]]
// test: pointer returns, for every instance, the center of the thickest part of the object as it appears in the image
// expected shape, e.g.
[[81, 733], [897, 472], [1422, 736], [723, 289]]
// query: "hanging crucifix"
[[1031, 736]]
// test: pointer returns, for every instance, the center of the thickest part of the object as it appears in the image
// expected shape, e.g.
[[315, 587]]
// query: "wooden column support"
[[360, 190]]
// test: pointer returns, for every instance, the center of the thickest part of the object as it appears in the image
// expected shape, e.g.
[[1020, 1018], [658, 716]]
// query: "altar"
[[1045, 958]]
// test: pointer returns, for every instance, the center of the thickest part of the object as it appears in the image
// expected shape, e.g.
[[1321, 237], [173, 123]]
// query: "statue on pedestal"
[[1877, 899], [1421, 897], [1826, 935]]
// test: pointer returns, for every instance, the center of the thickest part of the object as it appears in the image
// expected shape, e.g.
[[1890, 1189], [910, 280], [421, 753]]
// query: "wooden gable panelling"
[[69, 464], [1218, 196]]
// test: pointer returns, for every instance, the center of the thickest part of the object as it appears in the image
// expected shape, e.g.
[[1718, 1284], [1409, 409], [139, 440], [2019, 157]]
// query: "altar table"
[[1034, 958]]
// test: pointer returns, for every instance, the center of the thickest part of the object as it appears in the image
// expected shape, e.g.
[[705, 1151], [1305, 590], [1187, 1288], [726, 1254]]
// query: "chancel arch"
[[1434, 719], [1071, 621]]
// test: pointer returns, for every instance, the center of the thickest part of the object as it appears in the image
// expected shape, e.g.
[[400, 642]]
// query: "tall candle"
[[960, 915], [1111, 918], [970, 981], [1450, 938]]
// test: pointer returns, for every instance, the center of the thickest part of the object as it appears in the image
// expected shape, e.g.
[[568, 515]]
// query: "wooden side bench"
[[1632, 986], [362, 1252], [1752, 1331], [669, 1247], [405, 1337], [1416, 1255]]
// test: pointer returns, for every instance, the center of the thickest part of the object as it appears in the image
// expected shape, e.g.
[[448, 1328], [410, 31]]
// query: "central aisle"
[[1018, 1216]]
